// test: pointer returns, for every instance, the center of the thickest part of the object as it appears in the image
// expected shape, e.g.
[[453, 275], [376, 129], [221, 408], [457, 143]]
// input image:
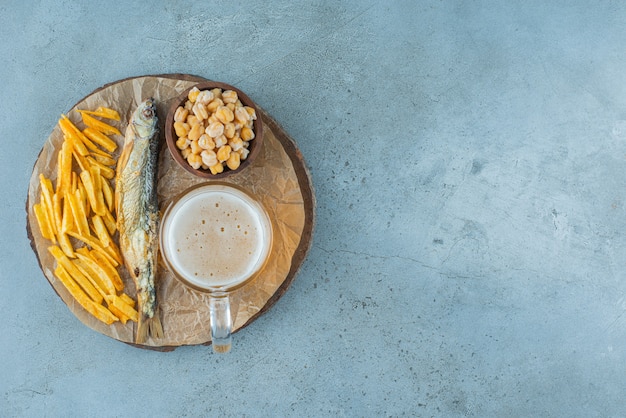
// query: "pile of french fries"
[[78, 217]]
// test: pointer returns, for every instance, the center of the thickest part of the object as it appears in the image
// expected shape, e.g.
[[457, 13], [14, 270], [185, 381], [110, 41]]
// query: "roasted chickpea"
[[213, 129]]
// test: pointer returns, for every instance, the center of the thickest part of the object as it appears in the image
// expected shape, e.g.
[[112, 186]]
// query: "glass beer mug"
[[215, 238]]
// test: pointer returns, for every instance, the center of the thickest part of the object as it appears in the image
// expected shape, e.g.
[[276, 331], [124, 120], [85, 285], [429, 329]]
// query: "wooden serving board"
[[279, 178]]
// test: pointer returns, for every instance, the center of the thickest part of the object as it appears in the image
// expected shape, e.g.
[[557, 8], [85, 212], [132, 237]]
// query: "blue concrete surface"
[[469, 160]]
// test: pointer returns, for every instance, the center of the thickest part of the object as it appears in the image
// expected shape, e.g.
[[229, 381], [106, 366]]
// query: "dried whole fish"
[[137, 213]]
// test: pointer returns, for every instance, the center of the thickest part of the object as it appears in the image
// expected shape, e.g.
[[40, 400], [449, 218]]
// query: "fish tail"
[[148, 327]]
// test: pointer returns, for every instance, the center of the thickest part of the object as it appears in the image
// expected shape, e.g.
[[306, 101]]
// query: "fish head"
[[145, 119]]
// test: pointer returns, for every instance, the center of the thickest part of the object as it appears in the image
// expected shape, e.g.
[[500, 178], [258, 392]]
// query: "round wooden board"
[[292, 255]]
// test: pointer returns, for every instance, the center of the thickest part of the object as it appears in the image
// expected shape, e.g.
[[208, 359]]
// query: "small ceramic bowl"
[[254, 146]]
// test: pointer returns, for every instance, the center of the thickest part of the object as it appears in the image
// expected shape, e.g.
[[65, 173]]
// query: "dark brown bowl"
[[170, 134]]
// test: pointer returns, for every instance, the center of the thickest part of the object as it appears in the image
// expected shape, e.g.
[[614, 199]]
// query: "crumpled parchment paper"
[[184, 311]]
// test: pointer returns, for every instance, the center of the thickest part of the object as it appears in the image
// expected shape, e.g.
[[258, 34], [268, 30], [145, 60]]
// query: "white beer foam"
[[216, 236]]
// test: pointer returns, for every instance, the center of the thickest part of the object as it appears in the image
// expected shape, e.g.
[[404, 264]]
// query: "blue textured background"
[[469, 160]]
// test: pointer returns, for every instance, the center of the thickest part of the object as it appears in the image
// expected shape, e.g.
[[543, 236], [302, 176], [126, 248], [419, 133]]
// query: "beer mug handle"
[[221, 322]]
